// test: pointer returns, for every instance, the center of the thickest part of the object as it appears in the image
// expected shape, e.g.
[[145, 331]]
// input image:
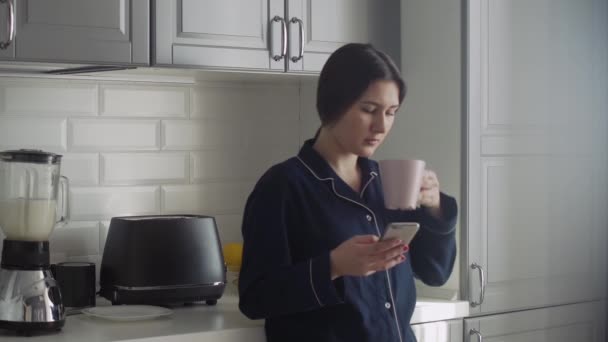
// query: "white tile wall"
[[235, 164], [258, 101], [209, 198], [135, 148], [43, 97], [81, 168], [197, 134], [138, 100], [144, 168], [113, 135], [98, 203], [104, 226], [230, 227], [33, 132], [76, 239]]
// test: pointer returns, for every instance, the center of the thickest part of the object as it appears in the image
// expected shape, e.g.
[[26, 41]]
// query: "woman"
[[313, 264]]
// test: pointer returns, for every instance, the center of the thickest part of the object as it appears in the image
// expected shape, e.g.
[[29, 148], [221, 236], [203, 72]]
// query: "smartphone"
[[405, 231]]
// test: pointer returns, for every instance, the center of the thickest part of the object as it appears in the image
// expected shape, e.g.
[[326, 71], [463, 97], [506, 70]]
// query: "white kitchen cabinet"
[[7, 24], [442, 331], [275, 35], [578, 322], [536, 153], [81, 31], [329, 24], [222, 34]]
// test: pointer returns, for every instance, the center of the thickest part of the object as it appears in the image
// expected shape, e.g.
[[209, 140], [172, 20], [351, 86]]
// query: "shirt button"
[[368, 217], [387, 305]]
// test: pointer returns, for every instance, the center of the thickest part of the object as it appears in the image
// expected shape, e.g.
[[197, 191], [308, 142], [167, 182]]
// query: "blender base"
[[32, 328], [30, 301]]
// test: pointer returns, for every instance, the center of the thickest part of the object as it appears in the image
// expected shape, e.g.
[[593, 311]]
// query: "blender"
[[30, 300]]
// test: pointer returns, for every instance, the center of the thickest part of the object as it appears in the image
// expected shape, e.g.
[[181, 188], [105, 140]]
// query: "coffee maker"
[[30, 300]]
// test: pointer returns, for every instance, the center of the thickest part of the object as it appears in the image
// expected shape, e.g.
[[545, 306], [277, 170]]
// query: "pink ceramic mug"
[[401, 182]]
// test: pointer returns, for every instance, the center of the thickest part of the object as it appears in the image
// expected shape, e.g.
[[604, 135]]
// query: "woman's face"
[[367, 122]]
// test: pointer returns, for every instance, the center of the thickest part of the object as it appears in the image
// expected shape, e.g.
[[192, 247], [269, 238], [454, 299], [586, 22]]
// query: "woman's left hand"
[[429, 193]]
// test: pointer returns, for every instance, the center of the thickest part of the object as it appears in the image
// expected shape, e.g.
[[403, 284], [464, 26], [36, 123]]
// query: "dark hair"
[[347, 74]]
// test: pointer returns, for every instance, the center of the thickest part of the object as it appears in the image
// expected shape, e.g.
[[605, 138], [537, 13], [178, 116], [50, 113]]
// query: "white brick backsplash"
[[76, 238], [144, 168], [104, 227], [48, 98], [55, 258], [229, 227], [207, 199], [221, 164], [104, 203], [197, 134], [111, 135], [81, 168], [39, 133], [152, 101], [309, 118], [241, 164], [149, 148], [225, 133], [269, 133], [230, 101]]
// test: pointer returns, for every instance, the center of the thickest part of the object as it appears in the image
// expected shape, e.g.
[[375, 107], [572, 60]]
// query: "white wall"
[[601, 101], [429, 124], [135, 148]]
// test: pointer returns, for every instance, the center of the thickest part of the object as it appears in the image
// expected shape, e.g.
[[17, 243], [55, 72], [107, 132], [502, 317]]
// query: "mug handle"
[[65, 205]]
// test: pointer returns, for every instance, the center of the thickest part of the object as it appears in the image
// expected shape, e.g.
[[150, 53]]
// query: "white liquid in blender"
[[27, 220]]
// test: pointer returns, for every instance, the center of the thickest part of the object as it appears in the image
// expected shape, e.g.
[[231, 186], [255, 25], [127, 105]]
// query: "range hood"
[[144, 73], [86, 69], [8, 68]]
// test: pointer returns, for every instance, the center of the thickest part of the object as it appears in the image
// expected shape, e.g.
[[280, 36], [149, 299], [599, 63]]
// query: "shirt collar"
[[322, 170]]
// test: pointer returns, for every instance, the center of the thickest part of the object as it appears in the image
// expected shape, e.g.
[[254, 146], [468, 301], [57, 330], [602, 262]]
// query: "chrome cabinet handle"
[[475, 332], [482, 284], [301, 30], [283, 38], [10, 24]]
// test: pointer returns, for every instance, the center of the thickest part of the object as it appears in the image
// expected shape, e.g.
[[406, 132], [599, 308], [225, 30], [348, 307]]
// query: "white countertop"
[[222, 322]]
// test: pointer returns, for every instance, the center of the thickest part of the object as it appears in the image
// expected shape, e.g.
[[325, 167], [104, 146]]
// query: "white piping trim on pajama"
[[312, 284], [390, 289], [373, 175]]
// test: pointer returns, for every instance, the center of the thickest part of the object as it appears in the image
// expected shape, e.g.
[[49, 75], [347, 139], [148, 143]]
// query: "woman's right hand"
[[363, 255]]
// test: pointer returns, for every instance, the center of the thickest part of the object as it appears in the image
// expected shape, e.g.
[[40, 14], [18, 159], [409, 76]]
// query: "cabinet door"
[[7, 52], [219, 34], [87, 31], [329, 24], [536, 153], [579, 322], [443, 331]]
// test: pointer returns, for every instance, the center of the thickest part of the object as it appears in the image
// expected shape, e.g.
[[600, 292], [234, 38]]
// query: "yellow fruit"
[[233, 255]]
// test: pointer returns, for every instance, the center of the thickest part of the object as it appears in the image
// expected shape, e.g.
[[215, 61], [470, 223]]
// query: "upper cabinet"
[[220, 34], [258, 35], [319, 27], [79, 31], [276, 35]]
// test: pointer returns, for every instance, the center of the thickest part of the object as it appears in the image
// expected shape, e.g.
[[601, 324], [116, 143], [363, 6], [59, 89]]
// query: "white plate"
[[127, 312]]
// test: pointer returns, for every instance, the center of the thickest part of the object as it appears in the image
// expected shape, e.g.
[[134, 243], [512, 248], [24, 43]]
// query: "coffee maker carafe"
[[30, 300]]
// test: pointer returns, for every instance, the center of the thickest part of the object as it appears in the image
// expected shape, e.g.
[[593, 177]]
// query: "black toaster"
[[162, 259]]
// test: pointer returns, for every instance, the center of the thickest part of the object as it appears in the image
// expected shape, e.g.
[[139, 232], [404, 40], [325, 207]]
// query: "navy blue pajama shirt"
[[297, 213]]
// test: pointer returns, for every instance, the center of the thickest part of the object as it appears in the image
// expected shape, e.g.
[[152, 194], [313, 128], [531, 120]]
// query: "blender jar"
[[29, 183]]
